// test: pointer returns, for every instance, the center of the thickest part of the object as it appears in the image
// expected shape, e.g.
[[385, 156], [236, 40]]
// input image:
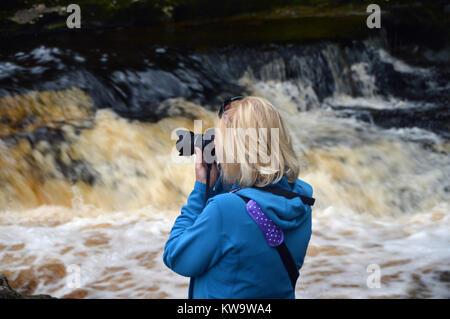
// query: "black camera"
[[187, 141]]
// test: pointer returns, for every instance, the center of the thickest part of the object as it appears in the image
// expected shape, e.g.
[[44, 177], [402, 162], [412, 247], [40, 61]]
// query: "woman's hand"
[[200, 169]]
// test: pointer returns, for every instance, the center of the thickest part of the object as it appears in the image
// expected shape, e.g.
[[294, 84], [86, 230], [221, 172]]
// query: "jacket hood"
[[286, 213]]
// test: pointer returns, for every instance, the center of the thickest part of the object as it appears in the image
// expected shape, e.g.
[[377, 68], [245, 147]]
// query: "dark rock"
[[444, 276], [6, 292], [434, 118]]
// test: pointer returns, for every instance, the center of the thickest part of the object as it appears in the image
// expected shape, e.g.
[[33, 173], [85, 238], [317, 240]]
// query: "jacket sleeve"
[[194, 244]]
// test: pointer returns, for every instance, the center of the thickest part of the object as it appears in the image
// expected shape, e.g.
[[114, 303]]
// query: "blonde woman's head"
[[252, 144]]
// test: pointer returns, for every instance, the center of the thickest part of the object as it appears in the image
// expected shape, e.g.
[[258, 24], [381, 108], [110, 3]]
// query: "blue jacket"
[[224, 251]]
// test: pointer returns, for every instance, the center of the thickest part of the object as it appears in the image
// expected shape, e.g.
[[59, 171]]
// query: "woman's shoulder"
[[303, 187], [226, 199], [226, 203]]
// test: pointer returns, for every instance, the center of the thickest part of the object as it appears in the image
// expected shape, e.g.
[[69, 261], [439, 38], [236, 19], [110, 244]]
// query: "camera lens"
[[187, 141]]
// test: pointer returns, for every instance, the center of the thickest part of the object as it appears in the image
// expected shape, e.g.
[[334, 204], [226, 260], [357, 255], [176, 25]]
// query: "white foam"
[[124, 239], [373, 102], [411, 251], [349, 242], [401, 66]]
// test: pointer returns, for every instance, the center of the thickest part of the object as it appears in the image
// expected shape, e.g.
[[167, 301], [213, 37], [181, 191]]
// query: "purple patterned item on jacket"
[[273, 233]]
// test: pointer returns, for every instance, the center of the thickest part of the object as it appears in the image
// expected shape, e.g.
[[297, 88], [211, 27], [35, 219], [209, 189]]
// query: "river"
[[89, 180]]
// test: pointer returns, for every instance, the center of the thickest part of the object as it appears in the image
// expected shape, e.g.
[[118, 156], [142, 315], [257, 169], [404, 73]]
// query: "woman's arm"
[[194, 244]]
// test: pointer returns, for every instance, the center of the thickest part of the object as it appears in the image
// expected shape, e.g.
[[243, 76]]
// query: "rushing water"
[[88, 177]]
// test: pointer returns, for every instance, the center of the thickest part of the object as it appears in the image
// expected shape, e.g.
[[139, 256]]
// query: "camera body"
[[187, 141]]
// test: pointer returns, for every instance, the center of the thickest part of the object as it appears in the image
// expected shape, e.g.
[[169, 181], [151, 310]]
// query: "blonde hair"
[[245, 163]]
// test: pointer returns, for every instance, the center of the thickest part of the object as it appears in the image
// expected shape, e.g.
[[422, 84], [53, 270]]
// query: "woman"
[[218, 243]]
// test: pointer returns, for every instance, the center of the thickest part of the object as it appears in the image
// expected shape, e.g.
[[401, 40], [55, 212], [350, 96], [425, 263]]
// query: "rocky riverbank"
[[6, 292]]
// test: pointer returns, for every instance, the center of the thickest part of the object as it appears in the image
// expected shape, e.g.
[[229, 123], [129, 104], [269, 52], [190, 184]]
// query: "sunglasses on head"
[[227, 103]]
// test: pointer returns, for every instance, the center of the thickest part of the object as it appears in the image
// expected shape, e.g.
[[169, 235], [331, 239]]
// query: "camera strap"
[[208, 178], [273, 233]]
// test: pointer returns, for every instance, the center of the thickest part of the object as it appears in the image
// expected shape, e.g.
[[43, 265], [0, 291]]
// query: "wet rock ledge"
[[6, 292]]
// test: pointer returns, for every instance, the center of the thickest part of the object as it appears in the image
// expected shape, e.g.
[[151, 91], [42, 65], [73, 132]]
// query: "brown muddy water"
[[89, 187]]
